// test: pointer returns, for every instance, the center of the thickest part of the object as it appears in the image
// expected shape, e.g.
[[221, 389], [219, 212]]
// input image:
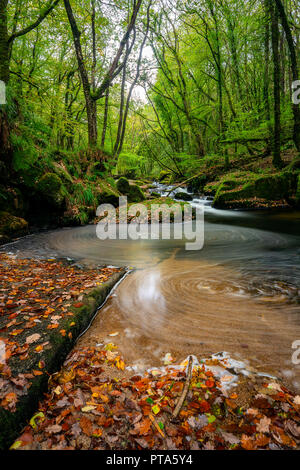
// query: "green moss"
[[135, 194], [51, 187], [183, 196], [132, 191], [164, 176], [108, 194], [274, 187], [11, 226], [123, 185]]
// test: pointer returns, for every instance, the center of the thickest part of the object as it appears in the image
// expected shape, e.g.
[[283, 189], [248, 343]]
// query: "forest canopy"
[[140, 87]]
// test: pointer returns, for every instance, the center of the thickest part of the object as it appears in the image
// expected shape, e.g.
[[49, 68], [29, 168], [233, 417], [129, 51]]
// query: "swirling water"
[[240, 293]]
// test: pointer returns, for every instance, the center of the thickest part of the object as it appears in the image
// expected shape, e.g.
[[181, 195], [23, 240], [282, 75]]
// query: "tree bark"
[[4, 46], [91, 109], [277, 162], [105, 119], [294, 67]]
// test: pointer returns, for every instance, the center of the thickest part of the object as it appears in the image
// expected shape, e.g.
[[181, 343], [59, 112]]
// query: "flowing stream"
[[239, 294]]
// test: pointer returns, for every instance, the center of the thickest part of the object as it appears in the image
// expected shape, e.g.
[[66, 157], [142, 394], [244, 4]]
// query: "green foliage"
[[131, 165], [25, 154], [84, 194]]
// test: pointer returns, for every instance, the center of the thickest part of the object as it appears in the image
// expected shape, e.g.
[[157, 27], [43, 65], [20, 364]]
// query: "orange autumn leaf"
[[86, 425], [52, 326]]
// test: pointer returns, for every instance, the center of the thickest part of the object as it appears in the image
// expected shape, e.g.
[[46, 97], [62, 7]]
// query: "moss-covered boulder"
[[123, 185], [108, 195], [135, 194], [269, 188], [183, 196], [132, 191], [275, 187], [11, 227], [50, 186]]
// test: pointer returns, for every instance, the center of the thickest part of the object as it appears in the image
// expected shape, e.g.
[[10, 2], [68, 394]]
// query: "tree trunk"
[[266, 97], [4, 77], [294, 67], [4, 46], [91, 107], [277, 162], [105, 119]]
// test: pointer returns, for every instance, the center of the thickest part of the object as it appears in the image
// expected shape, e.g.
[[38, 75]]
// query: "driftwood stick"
[[185, 390]]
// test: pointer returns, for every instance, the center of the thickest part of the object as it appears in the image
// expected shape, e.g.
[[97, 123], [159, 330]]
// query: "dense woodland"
[[201, 91]]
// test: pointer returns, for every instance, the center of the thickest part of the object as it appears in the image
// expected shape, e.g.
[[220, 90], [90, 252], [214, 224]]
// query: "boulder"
[[50, 187], [183, 196], [11, 227], [123, 185]]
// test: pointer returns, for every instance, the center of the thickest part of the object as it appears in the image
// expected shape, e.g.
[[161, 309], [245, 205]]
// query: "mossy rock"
[[276, 187], [132, 191], [225, 195], [50, 186], [12, 226], [269, 188], [183, 196], [108, 195], [135, 194], [123, 185]]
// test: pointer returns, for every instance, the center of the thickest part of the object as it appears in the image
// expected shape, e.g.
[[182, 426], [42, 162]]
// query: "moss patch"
[[11, 226]]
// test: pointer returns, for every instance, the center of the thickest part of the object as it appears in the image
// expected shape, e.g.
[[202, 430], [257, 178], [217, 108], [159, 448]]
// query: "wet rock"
[[11, 227], [183, 196]]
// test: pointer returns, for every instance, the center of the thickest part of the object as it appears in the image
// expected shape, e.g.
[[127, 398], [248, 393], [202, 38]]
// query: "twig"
[[156, 425], [185, 390]]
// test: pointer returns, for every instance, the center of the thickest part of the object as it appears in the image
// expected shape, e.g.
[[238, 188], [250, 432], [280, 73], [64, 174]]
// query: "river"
[[239, 294]]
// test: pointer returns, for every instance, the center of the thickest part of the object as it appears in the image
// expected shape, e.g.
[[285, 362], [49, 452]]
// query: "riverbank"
[[44, 306], [96, 403], [246, 182]]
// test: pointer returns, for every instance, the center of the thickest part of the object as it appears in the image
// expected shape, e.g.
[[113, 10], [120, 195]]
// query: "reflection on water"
[[239, 294]]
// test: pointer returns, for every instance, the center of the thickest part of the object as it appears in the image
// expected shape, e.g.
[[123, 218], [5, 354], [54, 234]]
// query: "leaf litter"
[[90, 406]]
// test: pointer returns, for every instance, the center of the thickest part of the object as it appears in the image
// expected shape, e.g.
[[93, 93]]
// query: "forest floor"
[[94, 404], [44, 306]]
